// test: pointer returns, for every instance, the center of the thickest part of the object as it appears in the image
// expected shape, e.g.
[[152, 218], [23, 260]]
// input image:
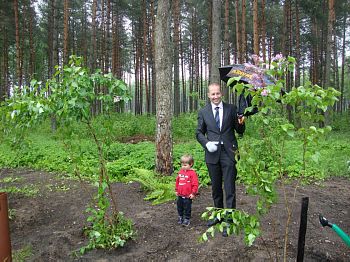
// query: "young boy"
[[186, 189]]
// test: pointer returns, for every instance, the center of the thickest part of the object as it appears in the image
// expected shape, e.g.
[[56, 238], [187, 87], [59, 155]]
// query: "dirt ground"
[[52, 221]]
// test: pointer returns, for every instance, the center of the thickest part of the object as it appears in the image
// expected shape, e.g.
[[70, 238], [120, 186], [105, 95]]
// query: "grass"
[[23, 254], [70, 150], [27, 190]]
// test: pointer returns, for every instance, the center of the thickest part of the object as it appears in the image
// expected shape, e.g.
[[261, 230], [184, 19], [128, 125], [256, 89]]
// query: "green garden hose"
[[324, 222]]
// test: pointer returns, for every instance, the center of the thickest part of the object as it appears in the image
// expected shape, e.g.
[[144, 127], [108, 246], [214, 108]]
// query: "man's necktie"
[[217, 117]]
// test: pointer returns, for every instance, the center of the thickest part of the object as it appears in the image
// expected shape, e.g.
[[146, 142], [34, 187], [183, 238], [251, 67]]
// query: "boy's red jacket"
[[186, 183]]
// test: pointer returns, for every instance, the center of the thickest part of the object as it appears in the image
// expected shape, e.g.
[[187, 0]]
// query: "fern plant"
[[160, 189]]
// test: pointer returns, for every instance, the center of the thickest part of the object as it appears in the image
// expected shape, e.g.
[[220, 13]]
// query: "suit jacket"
[[208, 131]]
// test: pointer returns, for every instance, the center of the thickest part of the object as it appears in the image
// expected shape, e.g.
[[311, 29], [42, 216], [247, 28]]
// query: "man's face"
[[214, 94]]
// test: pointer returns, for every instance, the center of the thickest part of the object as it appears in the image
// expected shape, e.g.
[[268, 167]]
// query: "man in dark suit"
[[217, 124]]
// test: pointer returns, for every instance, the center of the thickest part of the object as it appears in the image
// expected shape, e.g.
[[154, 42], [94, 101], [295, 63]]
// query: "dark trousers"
[[184, 207], [223, 172]]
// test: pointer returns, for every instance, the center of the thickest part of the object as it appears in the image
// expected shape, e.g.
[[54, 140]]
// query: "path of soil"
[[51, 223]]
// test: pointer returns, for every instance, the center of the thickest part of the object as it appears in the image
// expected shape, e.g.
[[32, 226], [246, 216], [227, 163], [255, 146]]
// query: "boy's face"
[[185, 166]]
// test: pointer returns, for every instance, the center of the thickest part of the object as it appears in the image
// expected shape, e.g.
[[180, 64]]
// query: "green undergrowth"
[[76, 154], [22, 255], [160, 188]]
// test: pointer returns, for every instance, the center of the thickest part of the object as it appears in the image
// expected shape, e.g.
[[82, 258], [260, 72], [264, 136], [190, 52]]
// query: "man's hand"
[[241, 119], [212, 146]]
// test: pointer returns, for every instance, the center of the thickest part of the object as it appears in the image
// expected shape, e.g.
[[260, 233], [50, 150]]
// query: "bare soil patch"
[[52, 221]]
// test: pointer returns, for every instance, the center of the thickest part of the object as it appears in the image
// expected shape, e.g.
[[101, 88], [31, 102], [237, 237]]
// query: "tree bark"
[[210, 36], [177, 86], [31, 42], [183, 73], [238, 33], [256, 27], [51, 37], [108, 37], [94, 35], [145, 54], [18, 47], [297, 44], [164, 141], [152, 60], [243, 34], [65, 30], [263, 31], [331, 18], [4, 85], [216, 41], [342, 77], [225, 90]]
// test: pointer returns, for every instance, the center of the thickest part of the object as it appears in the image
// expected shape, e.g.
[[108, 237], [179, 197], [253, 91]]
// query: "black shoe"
[[213, 222], [186, 222]]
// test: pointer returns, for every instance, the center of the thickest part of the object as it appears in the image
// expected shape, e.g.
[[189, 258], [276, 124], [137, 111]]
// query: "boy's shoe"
[[186, 222], [180, 221]]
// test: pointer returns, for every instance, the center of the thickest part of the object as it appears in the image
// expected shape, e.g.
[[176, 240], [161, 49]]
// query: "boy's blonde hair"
[[187, 159]]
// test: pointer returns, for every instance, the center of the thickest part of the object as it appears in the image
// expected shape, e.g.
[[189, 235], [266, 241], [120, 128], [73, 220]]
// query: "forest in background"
[[119, 37], [167, 60]]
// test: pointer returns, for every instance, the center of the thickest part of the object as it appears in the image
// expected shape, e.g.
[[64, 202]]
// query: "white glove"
[[212, 146]]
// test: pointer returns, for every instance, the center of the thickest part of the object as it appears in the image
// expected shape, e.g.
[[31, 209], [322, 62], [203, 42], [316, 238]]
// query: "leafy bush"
[[107, 235]]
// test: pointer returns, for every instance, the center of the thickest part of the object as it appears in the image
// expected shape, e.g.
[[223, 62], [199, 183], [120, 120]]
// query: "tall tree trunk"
[[238, 33], [164, 141], [342, 77], [140, 67], [94, 35], [226, 45], [145, 53], [51, 36], [23, 36], [196, 51], [215, 43], [297, 44], [183, 73], [177, 87], [116, 63], [4, 85], [65, 30], [31, 42], [210, 36], [331, 18], [243, 34], [191, 64], [137, 72], [152, 62], [256, 27], [315, 52], [18, 47], [83, 41], [107, 37], [263, 31], [286, 42], [336, 84]]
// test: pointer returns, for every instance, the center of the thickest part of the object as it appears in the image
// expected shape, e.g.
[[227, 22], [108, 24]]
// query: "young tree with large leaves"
[[72, 95]]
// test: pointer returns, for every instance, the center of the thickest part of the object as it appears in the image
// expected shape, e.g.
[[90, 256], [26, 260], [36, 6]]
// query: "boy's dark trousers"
[[184, 206]]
